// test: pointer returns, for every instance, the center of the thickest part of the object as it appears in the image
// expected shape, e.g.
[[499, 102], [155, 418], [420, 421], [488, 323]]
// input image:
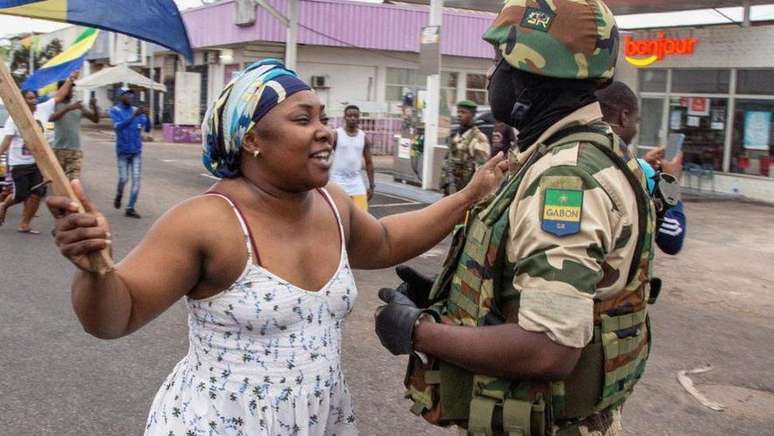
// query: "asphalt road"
[[717, 308]]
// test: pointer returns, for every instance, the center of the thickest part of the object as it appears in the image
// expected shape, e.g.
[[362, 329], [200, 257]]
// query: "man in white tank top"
[[352, 147]]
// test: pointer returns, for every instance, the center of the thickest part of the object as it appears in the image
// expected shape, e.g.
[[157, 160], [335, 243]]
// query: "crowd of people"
[[25, 183], [537, 322]]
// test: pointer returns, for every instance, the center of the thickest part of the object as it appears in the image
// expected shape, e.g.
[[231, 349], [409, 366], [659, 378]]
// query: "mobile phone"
[[674, 145]]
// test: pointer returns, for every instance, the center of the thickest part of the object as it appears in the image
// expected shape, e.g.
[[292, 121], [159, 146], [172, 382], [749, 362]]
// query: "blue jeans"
[[125, 163]]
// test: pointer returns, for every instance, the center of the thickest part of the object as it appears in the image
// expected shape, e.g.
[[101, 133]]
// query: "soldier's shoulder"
[[583, 158], [562, 158], [478, 133], [610, 177], [595, 161], [579, 166]]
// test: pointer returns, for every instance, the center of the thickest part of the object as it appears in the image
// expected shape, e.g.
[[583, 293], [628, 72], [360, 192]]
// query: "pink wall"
[[339, 23]]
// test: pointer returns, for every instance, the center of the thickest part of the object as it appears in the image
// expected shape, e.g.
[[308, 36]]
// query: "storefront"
[[716, 86]]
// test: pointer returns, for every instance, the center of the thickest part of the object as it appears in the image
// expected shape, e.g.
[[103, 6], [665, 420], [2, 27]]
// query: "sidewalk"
[[385, 184]]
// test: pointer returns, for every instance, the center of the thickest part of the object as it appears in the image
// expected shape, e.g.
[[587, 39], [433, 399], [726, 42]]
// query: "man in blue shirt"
[[128, 122], [621, 110]]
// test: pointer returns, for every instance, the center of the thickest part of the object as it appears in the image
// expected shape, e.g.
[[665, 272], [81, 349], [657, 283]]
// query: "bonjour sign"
[[643, 52]]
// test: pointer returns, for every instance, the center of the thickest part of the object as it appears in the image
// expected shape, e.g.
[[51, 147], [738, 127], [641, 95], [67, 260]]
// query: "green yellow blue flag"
[[64, 64], [562, 209], [157, 21]]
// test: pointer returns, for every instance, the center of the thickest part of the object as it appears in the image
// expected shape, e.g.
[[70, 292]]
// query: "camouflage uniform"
[[467, 152], [564, 249], [560, 273]]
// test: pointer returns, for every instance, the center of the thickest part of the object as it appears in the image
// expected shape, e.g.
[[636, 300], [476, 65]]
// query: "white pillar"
[[381, 84], [152, 99], [85, 72], [432, 113], [462, 87], [746, 20], [291, 45], [730, 115]]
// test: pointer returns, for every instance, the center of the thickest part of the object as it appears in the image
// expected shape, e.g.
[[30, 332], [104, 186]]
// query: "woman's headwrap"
[[243, 102]]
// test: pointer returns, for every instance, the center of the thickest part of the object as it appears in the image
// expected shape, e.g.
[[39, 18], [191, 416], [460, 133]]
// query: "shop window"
[[755, 82], [752, 142], [703, 121], [476, 89], [203, 71], [653, 80], [701, 81], [400, 80], [652, 112]]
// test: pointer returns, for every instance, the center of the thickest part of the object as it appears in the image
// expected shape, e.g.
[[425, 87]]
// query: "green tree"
[[20, 59]]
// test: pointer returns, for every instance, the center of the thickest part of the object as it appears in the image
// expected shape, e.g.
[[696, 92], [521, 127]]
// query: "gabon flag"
[[157, 21], [62, 65]]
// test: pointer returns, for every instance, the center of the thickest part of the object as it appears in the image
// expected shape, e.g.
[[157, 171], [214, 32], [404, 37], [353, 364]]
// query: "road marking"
[[209, 176], [170, 160], [402, 201]]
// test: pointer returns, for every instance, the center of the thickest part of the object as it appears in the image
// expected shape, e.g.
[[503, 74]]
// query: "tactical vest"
[[467, 292]]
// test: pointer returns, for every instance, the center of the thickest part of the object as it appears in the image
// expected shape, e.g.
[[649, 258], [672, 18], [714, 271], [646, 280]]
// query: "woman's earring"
[[257, 154]]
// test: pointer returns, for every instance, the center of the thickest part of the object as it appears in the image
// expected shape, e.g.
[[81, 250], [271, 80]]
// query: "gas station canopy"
[[619, 7]]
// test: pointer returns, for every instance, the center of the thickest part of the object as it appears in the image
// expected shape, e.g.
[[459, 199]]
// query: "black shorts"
[[26, 177]]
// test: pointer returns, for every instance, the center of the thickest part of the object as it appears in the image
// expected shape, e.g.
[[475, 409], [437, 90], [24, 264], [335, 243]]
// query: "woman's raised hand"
[[487, 179]]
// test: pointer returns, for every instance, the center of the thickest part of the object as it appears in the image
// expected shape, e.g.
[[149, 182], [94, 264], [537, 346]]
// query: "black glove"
[[416, 285], [395, 321]]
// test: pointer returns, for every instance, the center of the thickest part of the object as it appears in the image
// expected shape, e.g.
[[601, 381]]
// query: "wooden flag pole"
[[44, 156]]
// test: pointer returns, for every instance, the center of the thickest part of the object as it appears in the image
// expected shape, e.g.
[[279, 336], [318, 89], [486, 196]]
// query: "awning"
[[619, 7], [118, 74]]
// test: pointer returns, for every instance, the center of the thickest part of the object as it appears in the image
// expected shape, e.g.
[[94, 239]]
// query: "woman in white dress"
[[263, 260]]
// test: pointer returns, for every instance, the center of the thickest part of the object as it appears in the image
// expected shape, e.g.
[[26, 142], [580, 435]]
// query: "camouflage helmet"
[[565, 39]]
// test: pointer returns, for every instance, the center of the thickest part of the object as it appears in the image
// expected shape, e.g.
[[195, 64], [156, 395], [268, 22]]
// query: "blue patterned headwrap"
[[243, 102]]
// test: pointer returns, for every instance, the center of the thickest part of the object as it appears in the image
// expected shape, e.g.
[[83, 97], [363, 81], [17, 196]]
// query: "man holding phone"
[[621, 110], [67, 130], [129, 122]]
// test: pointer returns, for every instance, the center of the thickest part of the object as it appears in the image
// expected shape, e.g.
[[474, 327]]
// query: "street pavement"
[[717, 308]]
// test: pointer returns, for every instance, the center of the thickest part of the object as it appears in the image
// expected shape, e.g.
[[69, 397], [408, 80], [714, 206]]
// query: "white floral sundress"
[[264, 358]]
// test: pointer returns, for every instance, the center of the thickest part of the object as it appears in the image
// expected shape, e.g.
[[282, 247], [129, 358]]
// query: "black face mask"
[[532, 103], [507, 96]]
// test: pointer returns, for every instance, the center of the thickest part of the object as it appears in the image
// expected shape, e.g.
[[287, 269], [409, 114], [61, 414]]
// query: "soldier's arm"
[[500, 351], [481, 149], [558, 266]]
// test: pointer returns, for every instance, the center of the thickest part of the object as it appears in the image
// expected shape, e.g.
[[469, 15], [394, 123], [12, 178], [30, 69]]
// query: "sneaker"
[[131, 213], [117, 202]]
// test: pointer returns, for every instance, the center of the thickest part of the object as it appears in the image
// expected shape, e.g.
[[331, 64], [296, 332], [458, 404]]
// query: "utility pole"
[[432, 113]]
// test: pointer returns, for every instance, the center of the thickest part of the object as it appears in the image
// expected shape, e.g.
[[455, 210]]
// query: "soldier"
[[537, 324], [468, 149]]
